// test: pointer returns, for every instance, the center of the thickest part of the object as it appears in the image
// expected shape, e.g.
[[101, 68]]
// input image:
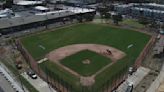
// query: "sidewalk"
[[135, 79], [154, 86], [38, 83]]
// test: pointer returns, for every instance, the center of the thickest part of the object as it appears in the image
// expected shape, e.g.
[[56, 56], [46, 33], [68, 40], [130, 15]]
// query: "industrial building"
[[149, 10], [35, 16]]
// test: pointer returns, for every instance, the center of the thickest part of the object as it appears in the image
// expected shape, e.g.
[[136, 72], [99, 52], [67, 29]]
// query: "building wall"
[[150, 14], [43, 24], [147, 10], [16, 21]]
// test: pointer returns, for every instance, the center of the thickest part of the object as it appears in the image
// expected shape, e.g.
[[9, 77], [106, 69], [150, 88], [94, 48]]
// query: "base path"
[[63, 52]]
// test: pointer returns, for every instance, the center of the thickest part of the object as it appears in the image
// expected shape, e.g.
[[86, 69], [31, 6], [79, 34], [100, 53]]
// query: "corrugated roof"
[[41, 8], [29, 3]]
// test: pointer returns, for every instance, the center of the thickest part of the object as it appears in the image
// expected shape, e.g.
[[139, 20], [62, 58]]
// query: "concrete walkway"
[[38, 83], [135, 79], [154, 86]]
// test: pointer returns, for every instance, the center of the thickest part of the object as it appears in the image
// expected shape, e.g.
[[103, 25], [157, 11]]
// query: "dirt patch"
[[2, 50], [87, 81], [59, 54]]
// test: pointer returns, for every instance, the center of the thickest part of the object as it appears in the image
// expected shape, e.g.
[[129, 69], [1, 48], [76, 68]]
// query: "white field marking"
[[41, 46], [129, 46], [42, 60]]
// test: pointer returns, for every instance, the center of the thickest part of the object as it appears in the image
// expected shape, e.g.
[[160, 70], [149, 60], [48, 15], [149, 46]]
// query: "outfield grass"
[[87, 33], [75, 62]]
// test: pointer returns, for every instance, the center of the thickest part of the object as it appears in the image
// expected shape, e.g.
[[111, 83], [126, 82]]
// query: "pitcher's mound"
[[86, 62]]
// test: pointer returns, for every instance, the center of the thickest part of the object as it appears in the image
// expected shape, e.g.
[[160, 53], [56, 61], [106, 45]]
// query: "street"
[[5, 85]]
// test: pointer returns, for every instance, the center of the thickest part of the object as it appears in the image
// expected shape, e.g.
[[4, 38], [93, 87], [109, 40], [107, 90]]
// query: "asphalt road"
[[5, 85], [1, 90]]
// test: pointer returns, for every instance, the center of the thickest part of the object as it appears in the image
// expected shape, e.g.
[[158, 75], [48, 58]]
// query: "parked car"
[[132, 70], [32, 74], [130, 87]]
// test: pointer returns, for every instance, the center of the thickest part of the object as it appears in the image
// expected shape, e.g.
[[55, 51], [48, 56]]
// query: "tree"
[[144, 20], [107, 16], [89, 16], [117, 18], [111, 7], [80, 17], [102, 10], [154, 24], [162, 26], [9, 4]]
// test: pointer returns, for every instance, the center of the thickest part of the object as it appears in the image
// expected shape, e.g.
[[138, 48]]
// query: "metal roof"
[[25, 3], [42, 8], [147, 9]]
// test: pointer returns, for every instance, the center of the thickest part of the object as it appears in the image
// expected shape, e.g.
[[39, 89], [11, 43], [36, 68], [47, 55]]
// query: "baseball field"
[[86, 56]]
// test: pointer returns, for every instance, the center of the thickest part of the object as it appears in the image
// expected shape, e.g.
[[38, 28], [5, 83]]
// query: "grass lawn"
[[132, 23], [87, 33], [75, 62]]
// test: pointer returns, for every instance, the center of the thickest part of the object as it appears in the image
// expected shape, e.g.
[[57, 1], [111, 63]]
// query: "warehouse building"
[[40, 17], [149, 10], [123, 9]]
